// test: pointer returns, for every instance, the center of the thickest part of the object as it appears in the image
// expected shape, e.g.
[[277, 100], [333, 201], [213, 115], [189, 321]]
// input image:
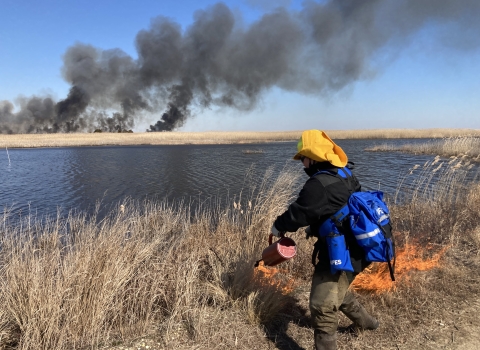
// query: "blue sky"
[[423, 84]]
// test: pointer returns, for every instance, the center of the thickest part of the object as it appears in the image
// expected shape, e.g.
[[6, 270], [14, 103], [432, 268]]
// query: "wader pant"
[[328, 295]]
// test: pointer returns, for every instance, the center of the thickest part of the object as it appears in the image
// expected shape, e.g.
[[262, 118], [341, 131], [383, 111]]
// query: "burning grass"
[[211, 137], [273, 276], [187, 282], [412, 257]]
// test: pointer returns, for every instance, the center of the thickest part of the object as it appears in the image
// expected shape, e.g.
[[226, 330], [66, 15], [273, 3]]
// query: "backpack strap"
[[344, 174], [391, 267], [347, 178], [336, 218]]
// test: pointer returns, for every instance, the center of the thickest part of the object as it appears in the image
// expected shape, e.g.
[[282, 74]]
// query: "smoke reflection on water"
[[41, 181]]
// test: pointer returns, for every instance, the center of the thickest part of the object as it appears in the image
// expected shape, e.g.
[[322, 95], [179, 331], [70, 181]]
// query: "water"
[[44, 180]]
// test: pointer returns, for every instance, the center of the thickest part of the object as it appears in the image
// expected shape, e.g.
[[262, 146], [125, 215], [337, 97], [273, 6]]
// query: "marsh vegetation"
[[183, 278], [466, 147], [212, 137]]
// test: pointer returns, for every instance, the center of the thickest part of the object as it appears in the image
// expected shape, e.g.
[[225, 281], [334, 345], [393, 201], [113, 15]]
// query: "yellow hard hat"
[[316, 145]]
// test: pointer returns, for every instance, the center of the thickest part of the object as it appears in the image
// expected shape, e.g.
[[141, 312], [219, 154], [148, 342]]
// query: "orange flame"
[[271, 276], [376, 278]]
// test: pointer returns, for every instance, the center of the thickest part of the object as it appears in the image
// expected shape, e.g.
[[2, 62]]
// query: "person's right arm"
[[308, 208]]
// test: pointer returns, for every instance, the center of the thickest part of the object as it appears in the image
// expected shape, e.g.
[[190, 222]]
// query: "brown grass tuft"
[[464, 147]]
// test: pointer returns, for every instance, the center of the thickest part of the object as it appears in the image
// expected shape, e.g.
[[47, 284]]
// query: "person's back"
[[323, 194]]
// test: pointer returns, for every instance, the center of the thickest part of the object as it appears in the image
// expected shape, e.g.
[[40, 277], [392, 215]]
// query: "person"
[[323, 194]]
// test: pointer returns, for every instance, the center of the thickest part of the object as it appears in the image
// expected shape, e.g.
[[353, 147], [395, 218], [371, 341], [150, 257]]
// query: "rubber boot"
[[357, 313], [324, 341]]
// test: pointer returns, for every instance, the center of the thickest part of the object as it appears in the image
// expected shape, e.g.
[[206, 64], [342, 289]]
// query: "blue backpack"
[[368, 218]]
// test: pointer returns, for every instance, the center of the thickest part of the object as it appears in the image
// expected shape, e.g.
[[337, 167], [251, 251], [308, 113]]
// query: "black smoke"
[[220, 61]]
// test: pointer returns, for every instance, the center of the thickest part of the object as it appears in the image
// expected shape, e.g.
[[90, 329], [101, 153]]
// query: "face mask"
[[310, 171], [314, 168]]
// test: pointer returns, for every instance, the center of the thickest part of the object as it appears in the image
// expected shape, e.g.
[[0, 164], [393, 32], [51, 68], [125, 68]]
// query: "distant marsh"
[[213, 137], [466, 147]]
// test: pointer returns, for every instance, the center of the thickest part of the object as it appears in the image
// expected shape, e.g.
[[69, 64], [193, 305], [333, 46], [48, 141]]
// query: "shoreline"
[[213, 137]]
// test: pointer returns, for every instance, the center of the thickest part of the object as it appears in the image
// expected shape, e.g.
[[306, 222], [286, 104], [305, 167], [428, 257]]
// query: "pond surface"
[[43, 180]]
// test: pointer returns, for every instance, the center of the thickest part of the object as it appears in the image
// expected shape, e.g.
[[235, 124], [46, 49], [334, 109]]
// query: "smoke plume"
[[219, 61]]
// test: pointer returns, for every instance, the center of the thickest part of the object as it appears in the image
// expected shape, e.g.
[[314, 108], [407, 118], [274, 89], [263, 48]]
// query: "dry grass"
[[183, 281], [173, 138], [144, 138], [78, 283], [402, 133], [448, 147]]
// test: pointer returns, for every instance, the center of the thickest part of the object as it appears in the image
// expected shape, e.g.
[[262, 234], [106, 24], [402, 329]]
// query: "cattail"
[[457, 166], [437, 168], [453, 158], [412, 169]]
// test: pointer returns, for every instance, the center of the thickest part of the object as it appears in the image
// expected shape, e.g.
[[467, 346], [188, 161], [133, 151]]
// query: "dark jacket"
[[321, 197]]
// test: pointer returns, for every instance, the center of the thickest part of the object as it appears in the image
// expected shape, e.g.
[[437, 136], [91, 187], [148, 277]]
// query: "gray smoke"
[[218, 61]]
